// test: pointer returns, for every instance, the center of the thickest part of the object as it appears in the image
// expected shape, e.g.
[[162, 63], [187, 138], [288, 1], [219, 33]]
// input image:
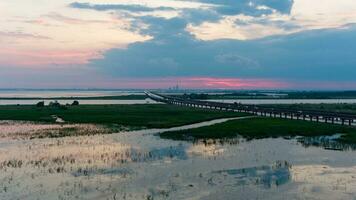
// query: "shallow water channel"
[[141, 165]]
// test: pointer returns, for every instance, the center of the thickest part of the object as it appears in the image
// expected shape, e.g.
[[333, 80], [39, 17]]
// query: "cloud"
[[277, 18], [127, 7], [312, 55], [216, 43], [250, 7], [266, 44], [223, 19], [234, 83], [21, 35], [70, 77], [171, 52], [70, 20], [45, 58], [236, 59], [210, 10], [212, 19], [242, 27]]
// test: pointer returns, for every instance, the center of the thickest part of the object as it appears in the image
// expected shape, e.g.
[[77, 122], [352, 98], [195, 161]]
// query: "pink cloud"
[[195, 83], [70, 20], [21, 35], [235, 83], [44, 58], [84, 77]]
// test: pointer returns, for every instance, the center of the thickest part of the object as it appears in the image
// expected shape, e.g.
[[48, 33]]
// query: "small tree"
[[54, 104], [75, 103], [40, 104]]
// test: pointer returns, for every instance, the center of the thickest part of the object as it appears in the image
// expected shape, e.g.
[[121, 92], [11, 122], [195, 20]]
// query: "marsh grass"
[[75, 166], [149, 116], [22, 130], [255, 128], [335, 107]]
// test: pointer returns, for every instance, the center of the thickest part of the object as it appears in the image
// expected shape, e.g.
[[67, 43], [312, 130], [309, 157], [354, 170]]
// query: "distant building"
[[174, 88]]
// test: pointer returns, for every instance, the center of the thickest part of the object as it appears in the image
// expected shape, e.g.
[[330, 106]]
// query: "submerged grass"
[[255, 128], [150, 116]]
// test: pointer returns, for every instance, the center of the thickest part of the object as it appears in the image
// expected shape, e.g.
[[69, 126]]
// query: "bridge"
[[261, 110]]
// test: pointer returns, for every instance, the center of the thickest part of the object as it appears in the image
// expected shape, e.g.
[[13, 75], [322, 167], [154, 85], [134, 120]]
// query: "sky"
[[210, 44]]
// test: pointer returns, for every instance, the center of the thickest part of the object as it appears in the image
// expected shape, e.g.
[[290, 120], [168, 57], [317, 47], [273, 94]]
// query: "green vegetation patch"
[[150, 116], [336, 107], [255, 128]]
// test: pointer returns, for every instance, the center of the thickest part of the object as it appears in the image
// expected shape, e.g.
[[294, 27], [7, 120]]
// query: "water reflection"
[[135, 156], [325, 182], [224, 141], [286, 101], [171, 152], [327, 142], [268, 176], [123, 172], [140, 165]]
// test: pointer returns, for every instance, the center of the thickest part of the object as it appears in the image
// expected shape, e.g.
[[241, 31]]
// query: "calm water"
[[93, 93], [140, 165], [70, 93], [66, 93], [285, 101], [82, 102], [245, 101]]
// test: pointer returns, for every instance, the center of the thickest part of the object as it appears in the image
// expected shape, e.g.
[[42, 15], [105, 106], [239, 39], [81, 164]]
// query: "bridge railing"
[[254, 108]]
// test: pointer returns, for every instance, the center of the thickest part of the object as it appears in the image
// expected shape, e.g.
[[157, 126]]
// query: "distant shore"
[[190, 94], [119, 97]]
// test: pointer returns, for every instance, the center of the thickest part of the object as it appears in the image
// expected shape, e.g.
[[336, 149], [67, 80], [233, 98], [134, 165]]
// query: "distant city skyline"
[[207, 44]]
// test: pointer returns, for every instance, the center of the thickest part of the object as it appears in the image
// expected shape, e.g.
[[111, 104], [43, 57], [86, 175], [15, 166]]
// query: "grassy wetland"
[[149, 116], [335, 107], [257, 128], [127, 152]]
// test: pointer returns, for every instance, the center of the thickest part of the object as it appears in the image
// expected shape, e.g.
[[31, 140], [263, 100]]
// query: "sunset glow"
[[242, 44]]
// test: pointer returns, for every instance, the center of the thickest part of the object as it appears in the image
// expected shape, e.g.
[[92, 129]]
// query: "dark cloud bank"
[[310, 55]]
